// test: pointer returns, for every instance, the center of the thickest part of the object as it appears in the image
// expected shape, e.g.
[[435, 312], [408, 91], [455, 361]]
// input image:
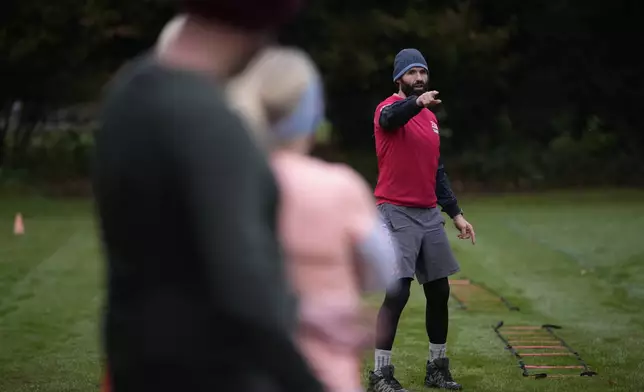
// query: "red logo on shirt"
[[435, 127]]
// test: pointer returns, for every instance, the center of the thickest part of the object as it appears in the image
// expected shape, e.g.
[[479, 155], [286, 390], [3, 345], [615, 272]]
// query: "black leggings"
[[436, 314]]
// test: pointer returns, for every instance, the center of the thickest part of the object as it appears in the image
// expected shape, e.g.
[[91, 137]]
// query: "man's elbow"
[[386, 125], [387, 120], [383, 123]]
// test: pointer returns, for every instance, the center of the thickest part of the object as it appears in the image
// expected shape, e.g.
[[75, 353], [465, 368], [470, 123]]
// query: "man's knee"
[[395, 300], [437, 291]]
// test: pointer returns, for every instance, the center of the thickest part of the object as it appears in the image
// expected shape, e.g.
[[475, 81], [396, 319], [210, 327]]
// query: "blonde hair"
[[270, 89]]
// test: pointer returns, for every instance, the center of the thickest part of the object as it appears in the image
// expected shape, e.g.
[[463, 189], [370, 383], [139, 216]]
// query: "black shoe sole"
[[444, 388]]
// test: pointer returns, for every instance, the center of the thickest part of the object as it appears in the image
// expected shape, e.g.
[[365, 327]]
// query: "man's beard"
[[416, 89]]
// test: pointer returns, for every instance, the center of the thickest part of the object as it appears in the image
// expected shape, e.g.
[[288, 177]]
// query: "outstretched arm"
[[398, 113]]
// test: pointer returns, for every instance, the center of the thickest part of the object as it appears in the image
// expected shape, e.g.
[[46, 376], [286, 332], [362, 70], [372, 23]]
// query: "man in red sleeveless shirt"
[[411, 183]]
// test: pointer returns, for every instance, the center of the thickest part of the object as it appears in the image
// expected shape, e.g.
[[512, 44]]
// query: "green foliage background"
[[535, 94]]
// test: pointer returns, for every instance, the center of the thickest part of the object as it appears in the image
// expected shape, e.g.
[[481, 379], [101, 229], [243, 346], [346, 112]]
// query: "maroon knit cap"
[[247, 14]]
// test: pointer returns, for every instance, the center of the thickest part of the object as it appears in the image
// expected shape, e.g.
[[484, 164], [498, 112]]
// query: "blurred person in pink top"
[[335, 245]]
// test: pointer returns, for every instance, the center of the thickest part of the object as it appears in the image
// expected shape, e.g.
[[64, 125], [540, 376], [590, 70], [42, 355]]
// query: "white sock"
[[382, 358], [436, 351]]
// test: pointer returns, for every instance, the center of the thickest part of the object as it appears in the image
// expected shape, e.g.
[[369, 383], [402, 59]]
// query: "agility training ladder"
[[546, 343], [464, 289]]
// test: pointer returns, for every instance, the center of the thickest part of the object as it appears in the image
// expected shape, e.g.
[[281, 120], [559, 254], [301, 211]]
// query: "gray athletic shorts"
[[423, 247]]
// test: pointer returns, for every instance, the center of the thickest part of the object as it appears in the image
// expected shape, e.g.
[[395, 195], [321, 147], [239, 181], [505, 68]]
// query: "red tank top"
[[407, 159]]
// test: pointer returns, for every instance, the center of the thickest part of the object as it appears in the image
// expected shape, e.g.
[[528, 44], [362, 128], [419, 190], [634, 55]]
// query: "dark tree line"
[[53, 54], [534, 91]]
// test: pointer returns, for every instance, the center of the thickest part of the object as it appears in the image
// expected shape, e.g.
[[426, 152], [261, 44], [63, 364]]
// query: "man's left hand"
[[466, 229]]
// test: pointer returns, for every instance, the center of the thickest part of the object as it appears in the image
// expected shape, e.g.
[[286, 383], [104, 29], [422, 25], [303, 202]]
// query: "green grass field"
[[572, 259]]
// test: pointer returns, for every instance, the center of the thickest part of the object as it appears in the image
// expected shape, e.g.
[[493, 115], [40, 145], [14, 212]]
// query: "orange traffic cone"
[[18, 225]]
